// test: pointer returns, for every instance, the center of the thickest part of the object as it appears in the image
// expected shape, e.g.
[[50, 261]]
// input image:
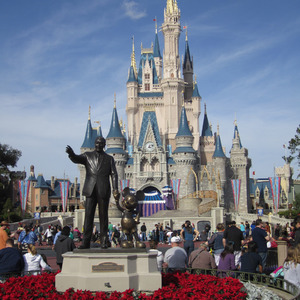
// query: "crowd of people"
[[234, 247], [18, 253], [242, 247]]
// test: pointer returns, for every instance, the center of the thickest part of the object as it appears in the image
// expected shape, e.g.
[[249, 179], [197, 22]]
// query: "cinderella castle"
[[164, 152]]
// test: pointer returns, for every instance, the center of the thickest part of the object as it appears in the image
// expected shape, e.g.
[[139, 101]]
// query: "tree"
[[8, 159], [294, 147]]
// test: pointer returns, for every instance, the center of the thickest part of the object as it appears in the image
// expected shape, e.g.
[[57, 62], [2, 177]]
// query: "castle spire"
[[183, 129], [206, 130], [219, 149], [156, 51], [115, 130], [236, 136], [196, 93], [88, 139]]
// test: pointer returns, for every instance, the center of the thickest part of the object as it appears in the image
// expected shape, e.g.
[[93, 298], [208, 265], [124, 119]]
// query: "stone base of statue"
[[107, 270]]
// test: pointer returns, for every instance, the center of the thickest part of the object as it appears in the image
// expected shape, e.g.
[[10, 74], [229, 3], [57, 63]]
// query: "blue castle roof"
[[195, 91], [131, 77], [206, 130], [41, 183], [115, 129], [156, 52], [218, 150], [147, 57], [187, 55], [183, 129], [236, 134], [149, 116]]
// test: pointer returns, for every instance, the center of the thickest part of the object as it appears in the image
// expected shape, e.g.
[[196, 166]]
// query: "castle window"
[[147, 76], [147, 86]]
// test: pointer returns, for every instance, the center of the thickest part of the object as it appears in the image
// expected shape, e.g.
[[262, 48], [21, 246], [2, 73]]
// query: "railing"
[[255, 278]]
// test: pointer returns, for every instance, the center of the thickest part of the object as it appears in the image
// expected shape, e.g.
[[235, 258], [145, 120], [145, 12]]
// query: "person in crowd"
[[115, 237], [235, 235], [277, 231], [201, 258], [110, 230], [63, 244], [26, 237], [58, 233], [3, 234], [189, 236], [252, 225], [161, 234], [76, 235], [216, 242], [261, 237], [291, 266], [175, 257], [247, 227], [33, 262], [160, 257], [169, 236], [11, 260], [243, 229], [250, 260], [297, 231], [207, 230], [143, 231], [49, 236], [227, 260], [156, 232]]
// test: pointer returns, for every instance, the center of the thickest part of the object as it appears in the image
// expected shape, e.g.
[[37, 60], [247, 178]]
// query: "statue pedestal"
[[108, 270]]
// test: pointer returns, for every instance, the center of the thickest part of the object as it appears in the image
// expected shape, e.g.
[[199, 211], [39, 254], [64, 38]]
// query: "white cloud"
[[132, 10]]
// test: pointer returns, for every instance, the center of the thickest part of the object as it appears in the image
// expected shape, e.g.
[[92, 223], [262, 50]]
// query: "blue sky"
[[58, 57]]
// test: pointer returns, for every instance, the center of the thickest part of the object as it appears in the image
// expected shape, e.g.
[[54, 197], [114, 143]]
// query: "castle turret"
[[188, 72], [185, 158], [219, 160], [132, 94], [240, 165], [156, 54], [207, 141], [115, 142]]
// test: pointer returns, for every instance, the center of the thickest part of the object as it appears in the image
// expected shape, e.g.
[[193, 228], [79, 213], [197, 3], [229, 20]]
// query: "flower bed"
[[175, 286]]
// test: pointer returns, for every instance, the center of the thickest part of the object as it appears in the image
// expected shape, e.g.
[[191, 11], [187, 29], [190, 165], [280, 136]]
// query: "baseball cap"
[[175, 239]]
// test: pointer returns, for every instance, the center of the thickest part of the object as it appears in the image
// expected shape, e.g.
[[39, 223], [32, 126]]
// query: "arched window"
[[155, 165], [145, 166]]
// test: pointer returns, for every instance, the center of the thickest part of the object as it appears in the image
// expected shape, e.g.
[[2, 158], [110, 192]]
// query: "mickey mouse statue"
[[128, 222]]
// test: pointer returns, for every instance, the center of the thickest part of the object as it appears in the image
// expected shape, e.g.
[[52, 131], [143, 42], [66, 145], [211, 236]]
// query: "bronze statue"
[[99, 167], [128, 223]]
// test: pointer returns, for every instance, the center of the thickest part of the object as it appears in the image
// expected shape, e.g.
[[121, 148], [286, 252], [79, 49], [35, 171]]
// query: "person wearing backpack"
[[216, 242]]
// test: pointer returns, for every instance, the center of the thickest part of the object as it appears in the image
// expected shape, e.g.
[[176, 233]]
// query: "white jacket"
[[34, 263]]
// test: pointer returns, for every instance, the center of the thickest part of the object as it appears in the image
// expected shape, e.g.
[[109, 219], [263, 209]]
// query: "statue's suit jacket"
[[99, 167]]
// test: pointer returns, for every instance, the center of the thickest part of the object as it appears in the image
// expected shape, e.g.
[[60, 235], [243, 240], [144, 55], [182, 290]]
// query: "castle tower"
[[88, 145], [185, 158], [188, 72], [240, 165], [115, 142], [157, 55], [172, 84], [132, 96], [219, 160], [207, 141]]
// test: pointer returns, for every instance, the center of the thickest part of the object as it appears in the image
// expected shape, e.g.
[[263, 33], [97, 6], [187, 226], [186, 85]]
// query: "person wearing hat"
[[175, 257], [3, 234]]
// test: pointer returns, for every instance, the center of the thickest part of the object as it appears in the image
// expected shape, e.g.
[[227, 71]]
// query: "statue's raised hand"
[[69, 150]]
